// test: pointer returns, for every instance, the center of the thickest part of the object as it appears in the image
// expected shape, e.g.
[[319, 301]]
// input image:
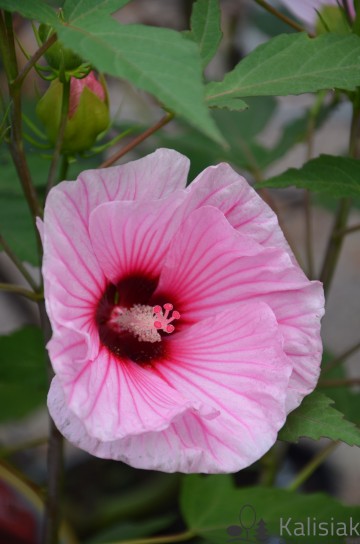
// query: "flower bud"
[[88, 113], [57, 55]]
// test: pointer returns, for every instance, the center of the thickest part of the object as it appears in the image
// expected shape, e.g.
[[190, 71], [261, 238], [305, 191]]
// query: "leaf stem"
[[19, 265], [281, 16], [315, 462], [19, 290], [33, 60], [60, 139], [341, 358], [181, 537], [136, 141]]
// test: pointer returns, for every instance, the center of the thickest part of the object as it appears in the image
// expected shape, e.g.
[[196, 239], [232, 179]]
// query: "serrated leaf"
[[211, 505], [76, 11], [292, 64], [205, 28], [38, 10], [336, 176], [316, 418], [23, 376]]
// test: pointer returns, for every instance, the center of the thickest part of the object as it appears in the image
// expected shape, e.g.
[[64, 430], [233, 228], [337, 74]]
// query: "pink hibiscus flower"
[[183, 329]]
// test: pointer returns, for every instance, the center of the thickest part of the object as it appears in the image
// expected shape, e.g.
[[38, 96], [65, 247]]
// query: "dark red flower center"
[[131, 321]]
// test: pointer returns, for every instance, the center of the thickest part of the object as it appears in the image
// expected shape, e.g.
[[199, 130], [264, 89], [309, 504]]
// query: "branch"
[[281, 16], [315, 462], [341, 358], [19, 290], [136, 141], [347, 230], [19, 265], [52, 513], [33, 60]]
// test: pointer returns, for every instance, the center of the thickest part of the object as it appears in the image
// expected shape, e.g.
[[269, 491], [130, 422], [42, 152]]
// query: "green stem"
[[315, 462], [181, 537], [281, 16], [52, 513], [136, 141], [33, 60], [341, 358], [19, 290], [269, 465], [19, 265], [335, 244], [59, 142]]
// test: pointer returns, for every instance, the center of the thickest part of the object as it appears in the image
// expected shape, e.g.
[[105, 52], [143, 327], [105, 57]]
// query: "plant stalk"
[[19, 290], [136, 141], [281, 16], [52, 513], [315, 462]]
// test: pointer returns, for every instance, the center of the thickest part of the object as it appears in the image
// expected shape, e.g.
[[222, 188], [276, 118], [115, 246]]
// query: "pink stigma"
[[162, 317]]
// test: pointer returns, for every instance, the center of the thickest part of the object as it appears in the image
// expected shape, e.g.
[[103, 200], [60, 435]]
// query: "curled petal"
[[236, 368]]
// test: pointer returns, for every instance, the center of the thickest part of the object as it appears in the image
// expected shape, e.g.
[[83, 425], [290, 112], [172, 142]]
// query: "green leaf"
[[39, 10], [23, 376], [205, 28], [336, 176], [292, 64], [157, 60], [316, 418], [76, 11], [211, 505]]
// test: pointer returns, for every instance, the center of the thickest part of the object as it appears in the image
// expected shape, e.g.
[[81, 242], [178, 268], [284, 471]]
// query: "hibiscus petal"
[[117, 398], [154, 176], [235, 366], [132, 237], [220, 186], [211, 266]]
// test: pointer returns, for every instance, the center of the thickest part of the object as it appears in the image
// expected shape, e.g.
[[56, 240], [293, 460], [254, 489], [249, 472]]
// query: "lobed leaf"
[[336, 176], [316, 418], [292, 64]]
